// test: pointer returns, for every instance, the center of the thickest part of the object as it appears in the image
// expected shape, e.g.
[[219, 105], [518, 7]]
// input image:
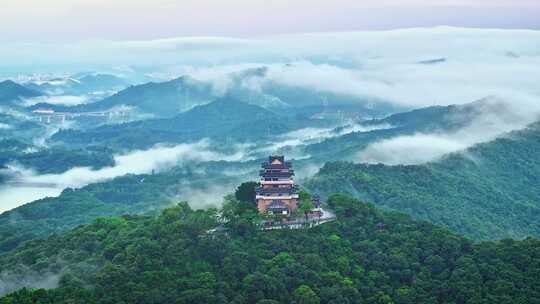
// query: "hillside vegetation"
[[367, 256], [487, 192]]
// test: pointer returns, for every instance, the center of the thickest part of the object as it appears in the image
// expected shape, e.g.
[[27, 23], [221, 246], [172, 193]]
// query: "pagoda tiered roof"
[[277, 205], [267, 165], [264, 191], [263, 173]]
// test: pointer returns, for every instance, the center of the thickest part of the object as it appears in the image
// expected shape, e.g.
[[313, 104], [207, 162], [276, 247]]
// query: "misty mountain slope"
[[428, 120], [92, 82], [366, 255], [252, 86], [129, 194], [258, 86], [159, 99], [79, 84], [11, 92], [489, 191], [52, 160], [439, 117], [19, 128], [225, 120]]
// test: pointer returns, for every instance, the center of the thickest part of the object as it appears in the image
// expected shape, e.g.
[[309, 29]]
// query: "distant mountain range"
[[225, 119], [79, 84], [170, 98], [163, 99]]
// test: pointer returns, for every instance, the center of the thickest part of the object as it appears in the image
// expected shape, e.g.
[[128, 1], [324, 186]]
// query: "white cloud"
[[24, 276], [307, 136], [136, 162], [495, 119], [209, 196], [66, 100], [415, 85], [409, 150], [12, 197]]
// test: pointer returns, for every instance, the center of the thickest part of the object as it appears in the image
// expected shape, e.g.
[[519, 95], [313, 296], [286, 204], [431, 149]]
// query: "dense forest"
[[489, 191], [366, 256], [247, 161], [54, 159]]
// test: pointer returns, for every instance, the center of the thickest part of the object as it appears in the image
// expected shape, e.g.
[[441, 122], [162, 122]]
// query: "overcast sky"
[[74, 20]]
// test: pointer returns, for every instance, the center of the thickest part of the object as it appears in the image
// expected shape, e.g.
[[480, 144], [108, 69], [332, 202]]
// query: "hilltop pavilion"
[[277, 193]]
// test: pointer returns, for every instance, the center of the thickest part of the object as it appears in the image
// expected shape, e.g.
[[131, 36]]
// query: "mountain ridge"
[[11, 91]]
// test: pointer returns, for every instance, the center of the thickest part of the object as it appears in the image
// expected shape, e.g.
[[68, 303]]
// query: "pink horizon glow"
[[73, 20]]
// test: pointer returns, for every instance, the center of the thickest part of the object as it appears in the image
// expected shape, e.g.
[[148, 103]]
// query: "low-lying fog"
[[26, 186], [14, 196], [496, 118], [410, 68]]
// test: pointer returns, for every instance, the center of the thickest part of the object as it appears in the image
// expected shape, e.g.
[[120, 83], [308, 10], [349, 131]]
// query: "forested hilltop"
[[489, 191], [366, 256]]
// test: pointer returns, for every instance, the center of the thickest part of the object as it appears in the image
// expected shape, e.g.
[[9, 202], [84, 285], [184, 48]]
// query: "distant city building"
[[277, 193]]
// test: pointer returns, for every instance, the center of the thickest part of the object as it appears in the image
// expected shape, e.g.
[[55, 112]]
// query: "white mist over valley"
[[346, 89]]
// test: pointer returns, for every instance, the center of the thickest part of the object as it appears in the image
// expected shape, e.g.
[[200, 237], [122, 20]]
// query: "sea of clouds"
[[381, 64], [411, 68]]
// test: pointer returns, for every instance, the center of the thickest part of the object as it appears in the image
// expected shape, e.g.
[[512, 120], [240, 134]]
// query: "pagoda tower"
[[277, 193]]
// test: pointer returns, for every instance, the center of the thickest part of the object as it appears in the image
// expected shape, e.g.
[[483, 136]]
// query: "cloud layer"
[[496, 118], [66, 100], [136, 162]]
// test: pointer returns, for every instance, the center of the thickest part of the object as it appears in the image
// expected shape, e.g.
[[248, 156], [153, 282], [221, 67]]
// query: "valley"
[[367, 168]]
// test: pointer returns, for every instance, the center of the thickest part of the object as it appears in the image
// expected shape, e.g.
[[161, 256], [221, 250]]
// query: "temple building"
[[277, 193]]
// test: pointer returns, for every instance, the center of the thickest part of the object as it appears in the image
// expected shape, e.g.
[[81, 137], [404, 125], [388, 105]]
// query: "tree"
[[305, 295], [239, 218], [305, 207], [171, 259], [304, 196], [267, 301], [306, 204], [246, 192]]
